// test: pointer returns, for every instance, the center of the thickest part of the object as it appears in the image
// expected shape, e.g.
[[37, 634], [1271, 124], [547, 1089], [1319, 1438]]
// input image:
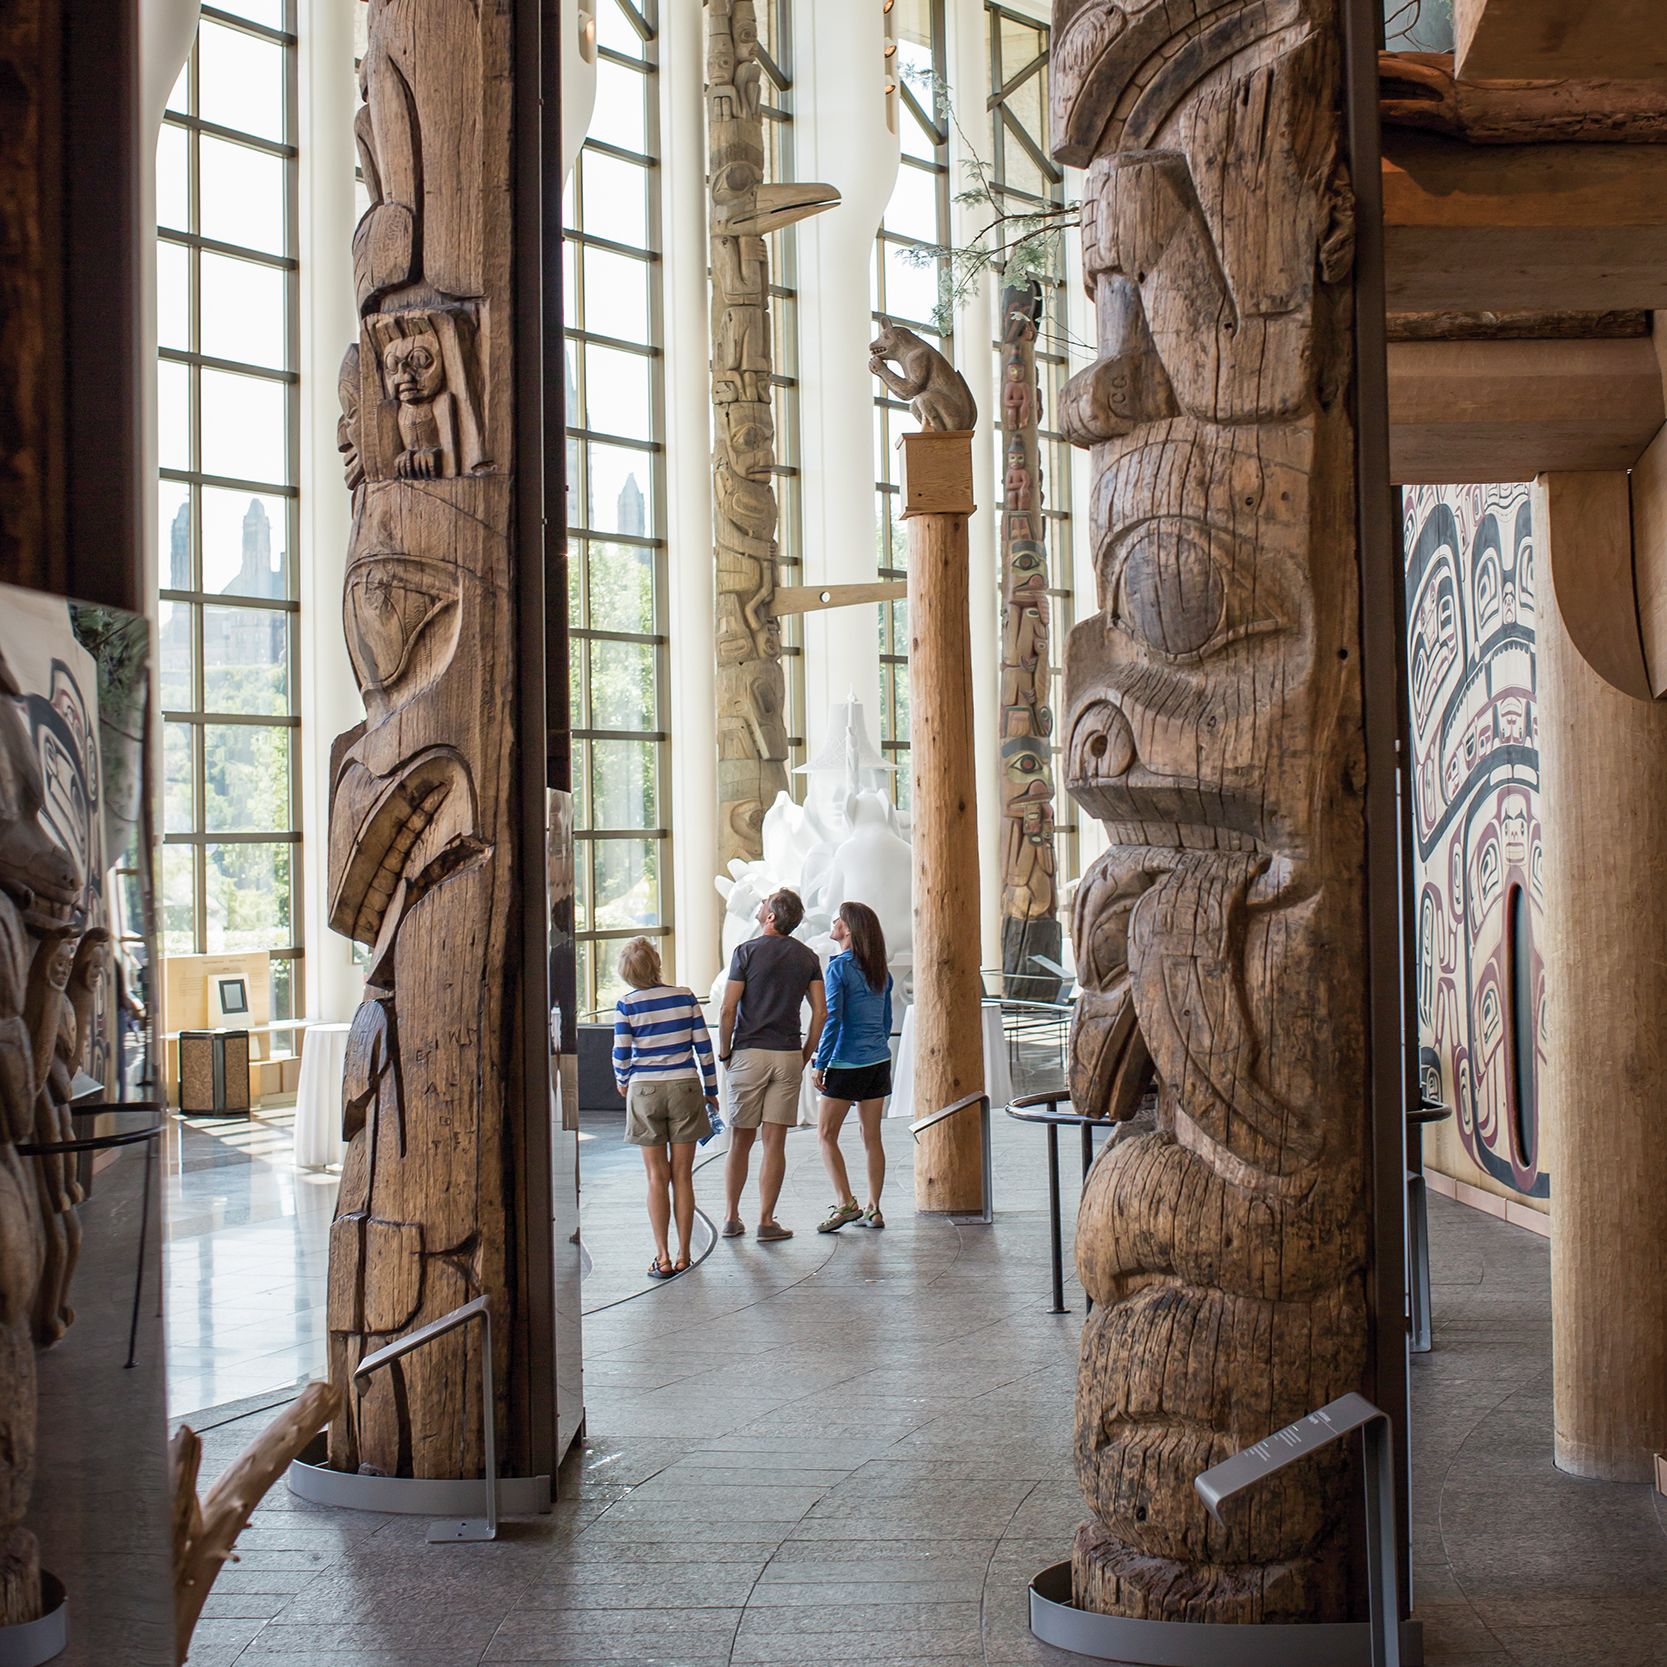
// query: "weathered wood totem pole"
[[1214, 725], [422, 853], [50, 961], [1029, 896], [752, 692]]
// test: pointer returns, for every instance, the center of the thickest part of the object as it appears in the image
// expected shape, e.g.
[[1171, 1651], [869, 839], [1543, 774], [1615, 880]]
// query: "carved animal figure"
[[936, 391], [1213, 724]]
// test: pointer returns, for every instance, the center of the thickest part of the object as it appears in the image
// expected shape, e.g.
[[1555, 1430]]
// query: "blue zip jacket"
[[858, 1031]]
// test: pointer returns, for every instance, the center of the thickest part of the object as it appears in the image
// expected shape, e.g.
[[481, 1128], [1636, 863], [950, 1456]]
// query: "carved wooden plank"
[[1029, 893], [1539, 227], [810, 599], [752, 691], [424, 867], [1497, 38], [1502, 410], [1213, 723]]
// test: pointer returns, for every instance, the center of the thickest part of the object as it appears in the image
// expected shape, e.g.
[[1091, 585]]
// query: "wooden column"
[[1603, 764], [427, 857], [949, 1053], [1213, 722]]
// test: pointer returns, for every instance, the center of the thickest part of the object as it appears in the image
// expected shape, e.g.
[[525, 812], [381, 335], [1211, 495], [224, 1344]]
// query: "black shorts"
[[858, 1082]]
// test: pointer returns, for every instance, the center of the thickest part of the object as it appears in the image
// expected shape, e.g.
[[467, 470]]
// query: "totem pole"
[[423, 867], [752, 691], [1213, 724], [48, 962], [1029, 899]]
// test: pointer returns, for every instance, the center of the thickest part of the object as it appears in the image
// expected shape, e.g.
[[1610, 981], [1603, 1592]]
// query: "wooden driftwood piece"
[[206, 1530], [1213, 723], [424, 859], [1419, 89], [743, 209], [1029, 894]]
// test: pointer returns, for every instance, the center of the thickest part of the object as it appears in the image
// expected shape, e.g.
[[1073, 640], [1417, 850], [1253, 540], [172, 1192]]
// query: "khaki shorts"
[[764, 1086], [658, 1112]]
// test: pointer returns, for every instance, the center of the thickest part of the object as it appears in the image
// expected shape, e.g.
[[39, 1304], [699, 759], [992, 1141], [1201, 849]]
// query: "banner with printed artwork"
[[1476, 829]]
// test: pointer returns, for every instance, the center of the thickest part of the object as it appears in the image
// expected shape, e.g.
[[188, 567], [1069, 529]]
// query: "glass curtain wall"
[[1024, 178], [228, 416], [776, 52], [616, 508], [908, 286]]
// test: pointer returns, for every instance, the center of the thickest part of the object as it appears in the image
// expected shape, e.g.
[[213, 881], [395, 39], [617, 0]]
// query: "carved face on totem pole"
[[1212, 724]]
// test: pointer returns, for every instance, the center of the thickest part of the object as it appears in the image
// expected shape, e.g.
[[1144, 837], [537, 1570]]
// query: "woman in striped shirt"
[[663, 1066]]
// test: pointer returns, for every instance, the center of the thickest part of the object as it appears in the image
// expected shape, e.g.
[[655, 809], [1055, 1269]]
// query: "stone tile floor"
[[857, 1447]]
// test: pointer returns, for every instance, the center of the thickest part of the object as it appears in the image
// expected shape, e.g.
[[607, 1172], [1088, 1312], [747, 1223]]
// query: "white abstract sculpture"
[[847, 841]]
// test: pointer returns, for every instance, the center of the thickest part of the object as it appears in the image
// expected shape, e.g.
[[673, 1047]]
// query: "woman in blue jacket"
[[852, 1066]]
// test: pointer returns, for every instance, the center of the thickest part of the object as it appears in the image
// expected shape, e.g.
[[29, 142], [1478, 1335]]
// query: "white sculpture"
[[846, 841]]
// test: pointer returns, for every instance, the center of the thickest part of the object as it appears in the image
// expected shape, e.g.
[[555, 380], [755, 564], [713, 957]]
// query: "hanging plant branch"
[[1020, 245]]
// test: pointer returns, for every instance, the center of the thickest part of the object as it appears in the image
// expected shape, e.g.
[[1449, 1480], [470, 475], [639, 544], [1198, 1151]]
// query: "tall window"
[[907, 289], [1024, 178], [616, 508], [776, 44], [227, 406]]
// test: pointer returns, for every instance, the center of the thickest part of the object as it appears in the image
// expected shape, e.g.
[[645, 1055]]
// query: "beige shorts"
[[764, 1086], [658, 1112]]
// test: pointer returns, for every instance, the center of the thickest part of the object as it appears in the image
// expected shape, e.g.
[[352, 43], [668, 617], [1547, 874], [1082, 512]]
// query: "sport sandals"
[[839, 1215]]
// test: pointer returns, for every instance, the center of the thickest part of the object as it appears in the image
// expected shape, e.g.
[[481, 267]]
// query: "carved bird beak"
[[776, 206]]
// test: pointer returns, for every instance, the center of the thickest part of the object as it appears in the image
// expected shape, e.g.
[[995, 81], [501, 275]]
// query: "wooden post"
[[427, 858], [949, 1054], [1213, 722], [1603, 757]]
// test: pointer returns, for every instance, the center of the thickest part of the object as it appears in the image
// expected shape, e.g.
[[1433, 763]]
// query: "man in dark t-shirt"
[[765, 1053]]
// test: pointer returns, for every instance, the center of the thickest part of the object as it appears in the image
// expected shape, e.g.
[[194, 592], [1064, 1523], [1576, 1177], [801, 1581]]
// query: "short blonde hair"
[[639, 964]]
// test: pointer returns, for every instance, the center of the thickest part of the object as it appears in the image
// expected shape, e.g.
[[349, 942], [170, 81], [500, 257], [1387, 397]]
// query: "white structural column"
[[969, 69], [842, 135], [330, 700], [692, 714]]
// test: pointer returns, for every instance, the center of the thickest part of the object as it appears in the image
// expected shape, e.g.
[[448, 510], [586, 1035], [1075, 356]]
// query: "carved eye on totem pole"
[[1176, 588], [1100, 749]]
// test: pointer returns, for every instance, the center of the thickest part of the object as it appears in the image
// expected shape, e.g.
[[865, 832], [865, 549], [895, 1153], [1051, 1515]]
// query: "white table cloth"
[[998, 1079], [318, 1098]]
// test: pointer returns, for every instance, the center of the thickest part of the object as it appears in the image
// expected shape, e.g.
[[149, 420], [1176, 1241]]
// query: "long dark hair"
[[868, 942]]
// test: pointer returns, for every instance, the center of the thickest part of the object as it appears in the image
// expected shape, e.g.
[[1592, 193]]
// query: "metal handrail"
[[476, 1308], [982, 1101]]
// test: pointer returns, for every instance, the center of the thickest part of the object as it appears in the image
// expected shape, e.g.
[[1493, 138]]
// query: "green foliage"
[[1020, 244]]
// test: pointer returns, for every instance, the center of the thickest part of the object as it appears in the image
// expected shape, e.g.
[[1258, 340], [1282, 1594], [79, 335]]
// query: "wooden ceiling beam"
[[1539, 227], [1506, 39], [1485, 411]]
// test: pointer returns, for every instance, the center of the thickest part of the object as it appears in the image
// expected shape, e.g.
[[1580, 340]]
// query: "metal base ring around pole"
[[314, 1481], [32, 1642], [1056, 1620]]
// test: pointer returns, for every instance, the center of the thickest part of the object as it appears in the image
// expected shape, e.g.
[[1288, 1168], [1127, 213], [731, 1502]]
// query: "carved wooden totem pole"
[[50, 961], [1029, 899], [1214, 725], [422, 865], [752, 692]]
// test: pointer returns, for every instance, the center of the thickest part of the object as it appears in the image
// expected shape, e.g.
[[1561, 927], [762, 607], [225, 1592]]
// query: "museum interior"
[[497, 493]]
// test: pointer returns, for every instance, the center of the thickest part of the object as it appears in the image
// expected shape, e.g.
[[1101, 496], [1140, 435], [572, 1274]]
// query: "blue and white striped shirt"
[[661, 1036]]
